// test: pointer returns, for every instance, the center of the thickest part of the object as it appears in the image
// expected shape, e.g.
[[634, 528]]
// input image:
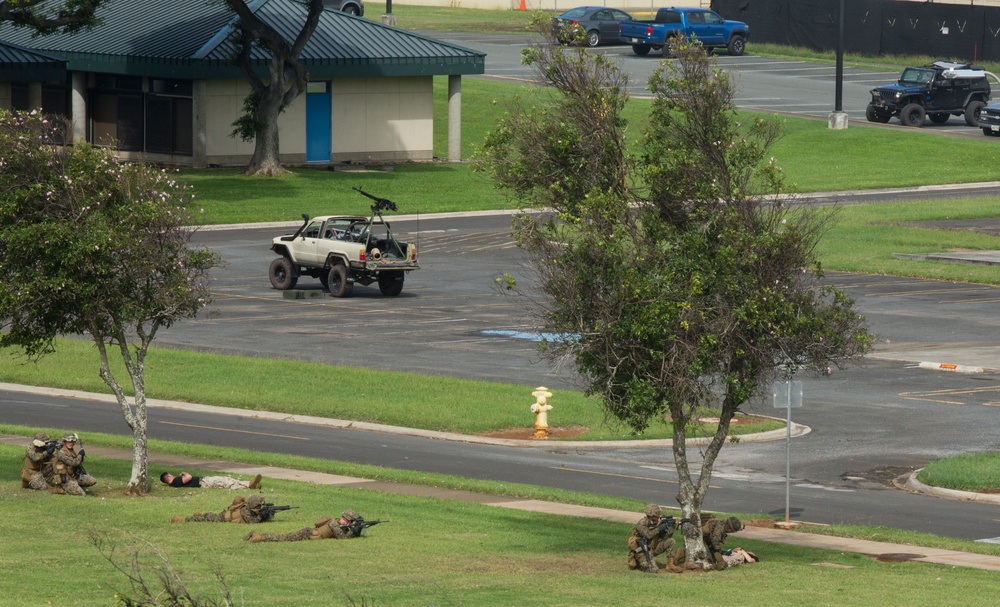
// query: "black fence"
[[873, 27]]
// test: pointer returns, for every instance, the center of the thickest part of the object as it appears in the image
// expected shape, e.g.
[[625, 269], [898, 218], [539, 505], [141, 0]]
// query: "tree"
[[687, 293], [287, 80], [90, 245], [69, 16]]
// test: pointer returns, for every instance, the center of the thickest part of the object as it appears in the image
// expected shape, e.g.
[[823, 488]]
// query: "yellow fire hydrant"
[[541, 410]]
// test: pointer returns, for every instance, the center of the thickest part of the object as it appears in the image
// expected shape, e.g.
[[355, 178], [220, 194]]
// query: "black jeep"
[[938, 90]]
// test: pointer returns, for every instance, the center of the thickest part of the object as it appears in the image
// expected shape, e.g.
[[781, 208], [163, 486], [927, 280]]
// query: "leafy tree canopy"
[[91, 245], [683, 281]]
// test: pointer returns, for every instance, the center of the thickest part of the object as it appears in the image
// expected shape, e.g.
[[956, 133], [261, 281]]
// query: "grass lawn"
[[431, 552]]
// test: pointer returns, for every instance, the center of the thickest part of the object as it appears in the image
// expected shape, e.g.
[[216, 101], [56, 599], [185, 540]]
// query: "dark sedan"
[[596, 24]]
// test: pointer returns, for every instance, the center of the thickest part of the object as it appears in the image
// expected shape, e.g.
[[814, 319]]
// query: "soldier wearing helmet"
[[349, 525], [64, 473], [651, 537], [241, 510], [37, 455], [714, 532]]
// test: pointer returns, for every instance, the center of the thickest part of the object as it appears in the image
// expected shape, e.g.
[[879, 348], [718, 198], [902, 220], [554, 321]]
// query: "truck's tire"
[[641, 49], [340, 286], [912, 114], [737, 44], [874, 115], [972, 112], [390, 283], [282, 274]]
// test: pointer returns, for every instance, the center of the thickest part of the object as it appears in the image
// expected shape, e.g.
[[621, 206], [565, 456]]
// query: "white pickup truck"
[[343, 250]]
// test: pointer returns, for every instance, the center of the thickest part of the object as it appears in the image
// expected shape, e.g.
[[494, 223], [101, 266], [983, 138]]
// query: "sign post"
[[787, 394]]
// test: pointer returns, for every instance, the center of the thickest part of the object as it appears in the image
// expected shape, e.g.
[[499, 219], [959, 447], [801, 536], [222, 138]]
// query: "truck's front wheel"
[[737, 44], [912, 114], [340, 286], [390, 283], [282, 274]]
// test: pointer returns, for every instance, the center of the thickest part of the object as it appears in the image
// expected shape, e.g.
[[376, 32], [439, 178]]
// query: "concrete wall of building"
[[373, 119]]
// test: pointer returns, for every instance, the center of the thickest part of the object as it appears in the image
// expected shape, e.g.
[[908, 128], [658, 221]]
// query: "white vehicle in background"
[[341, 250]]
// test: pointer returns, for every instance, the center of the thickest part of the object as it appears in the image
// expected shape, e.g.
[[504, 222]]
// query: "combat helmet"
[[40, 439], [255, 501], [652, 510], [350, 516], [734, 524], [70, 437]]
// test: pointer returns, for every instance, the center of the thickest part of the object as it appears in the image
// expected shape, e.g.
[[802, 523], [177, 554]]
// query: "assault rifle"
[[360, 527], [268, 510], [381, 204]]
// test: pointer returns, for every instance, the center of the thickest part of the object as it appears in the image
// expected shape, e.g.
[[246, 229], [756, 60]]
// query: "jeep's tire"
[[390, 283], [972, 112], [912, 114], [282, 274], [939, 117], [873, 115], [737, 44], [340, 286], [641, 49]]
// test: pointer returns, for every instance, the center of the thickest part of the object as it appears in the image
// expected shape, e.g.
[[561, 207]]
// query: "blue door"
[[318, 123]]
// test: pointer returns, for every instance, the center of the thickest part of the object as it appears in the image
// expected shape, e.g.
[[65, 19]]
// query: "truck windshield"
[[913, 75]]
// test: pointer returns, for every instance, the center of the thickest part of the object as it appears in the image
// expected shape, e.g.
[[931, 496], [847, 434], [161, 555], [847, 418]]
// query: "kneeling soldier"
[[37, 456], [65, 473], [651, 537]]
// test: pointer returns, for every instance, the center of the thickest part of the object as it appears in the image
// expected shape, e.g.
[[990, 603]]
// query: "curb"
[[950, 367], [771, 435], [910, 483]]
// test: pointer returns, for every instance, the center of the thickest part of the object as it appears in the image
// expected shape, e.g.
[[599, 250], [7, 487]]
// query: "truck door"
[[709, 27], [309, 243]]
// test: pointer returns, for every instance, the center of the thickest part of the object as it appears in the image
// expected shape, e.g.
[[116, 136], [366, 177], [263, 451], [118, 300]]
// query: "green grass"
[[966, 472], [266, 384], [432, 552], [865, 237]]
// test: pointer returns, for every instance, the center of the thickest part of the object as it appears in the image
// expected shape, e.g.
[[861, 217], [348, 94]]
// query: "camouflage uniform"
[[657, 542], [324, 529], [714, 532], [36, 456], [65, 473], [242, 510]]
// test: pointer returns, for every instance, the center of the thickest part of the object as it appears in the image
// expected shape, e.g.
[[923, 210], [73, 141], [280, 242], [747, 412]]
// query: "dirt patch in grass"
[[528, 433]]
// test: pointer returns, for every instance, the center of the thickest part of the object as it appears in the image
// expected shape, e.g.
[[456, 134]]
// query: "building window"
[[158, 120]]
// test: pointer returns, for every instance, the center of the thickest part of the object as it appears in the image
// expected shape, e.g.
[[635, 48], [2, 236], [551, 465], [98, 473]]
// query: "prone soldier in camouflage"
[[65, 473], [651, 537], [37, 455], [242, 510], [349, 525], [714, 533]]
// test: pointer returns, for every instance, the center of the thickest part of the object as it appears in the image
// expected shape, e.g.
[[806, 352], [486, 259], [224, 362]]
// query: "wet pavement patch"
[[897, 557]]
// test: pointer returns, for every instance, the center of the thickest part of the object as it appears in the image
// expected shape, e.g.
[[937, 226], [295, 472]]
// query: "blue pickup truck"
[[707, 26]]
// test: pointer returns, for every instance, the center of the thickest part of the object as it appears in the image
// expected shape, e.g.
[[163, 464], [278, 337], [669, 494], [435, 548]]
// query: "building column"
[[454, 118], [35, 95], [5, 96], [78, 106], [199, 124]]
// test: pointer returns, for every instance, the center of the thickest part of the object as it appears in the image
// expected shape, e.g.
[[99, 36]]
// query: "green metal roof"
[[193, 39]]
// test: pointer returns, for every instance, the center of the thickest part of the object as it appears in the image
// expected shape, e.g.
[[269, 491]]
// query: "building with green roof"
[[156, 80]]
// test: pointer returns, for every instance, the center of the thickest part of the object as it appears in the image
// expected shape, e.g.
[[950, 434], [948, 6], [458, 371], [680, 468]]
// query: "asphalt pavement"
[[880, 550]]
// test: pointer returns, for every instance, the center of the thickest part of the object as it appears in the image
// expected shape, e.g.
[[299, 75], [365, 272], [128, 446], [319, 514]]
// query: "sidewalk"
[[881, 550]]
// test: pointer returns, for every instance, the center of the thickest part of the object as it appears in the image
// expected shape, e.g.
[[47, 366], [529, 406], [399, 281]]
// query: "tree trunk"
[[138, 483], [266, 158]]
